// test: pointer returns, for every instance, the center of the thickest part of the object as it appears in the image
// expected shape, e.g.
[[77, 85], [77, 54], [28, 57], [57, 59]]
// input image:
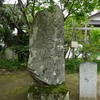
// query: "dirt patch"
[[14, 85], [72, 82]]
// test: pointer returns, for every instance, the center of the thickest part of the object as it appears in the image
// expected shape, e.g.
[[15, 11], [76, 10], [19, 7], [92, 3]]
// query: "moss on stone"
[[40, 88]]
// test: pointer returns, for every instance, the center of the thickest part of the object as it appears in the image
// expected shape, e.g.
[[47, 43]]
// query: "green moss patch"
[[39, 88]]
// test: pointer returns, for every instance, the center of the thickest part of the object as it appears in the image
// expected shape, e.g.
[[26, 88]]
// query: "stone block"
[[88, 81], [45, 92]]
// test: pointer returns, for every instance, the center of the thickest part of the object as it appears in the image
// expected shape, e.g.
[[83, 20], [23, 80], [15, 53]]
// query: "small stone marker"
[[88, 81]]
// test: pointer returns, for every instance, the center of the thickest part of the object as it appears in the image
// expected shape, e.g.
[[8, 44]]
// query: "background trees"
[[1, 2], [21, 16], [11, 18]]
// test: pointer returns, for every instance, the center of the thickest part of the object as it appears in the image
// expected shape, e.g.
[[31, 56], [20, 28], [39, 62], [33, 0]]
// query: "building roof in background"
[[95, 15], [88, 28], [94, 22], [94, 19]]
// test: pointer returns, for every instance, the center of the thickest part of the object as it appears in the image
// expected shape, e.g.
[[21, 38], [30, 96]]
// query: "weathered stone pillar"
[[46, 59]]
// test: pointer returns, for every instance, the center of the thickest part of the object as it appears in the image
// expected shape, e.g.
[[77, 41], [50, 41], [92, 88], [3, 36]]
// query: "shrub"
[[98, 64], [72, 65], [12, 64]]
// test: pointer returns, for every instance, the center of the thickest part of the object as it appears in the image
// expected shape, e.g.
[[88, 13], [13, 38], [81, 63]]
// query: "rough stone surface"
[[88, 81], [47, 94], [46, 59]]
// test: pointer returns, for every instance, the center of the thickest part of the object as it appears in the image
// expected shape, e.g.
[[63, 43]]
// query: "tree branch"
[[69, 12], [21, 6], [33, 8], [27, 3], [65, 4]]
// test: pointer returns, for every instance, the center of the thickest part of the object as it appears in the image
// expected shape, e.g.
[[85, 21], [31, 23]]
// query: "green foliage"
[[11, 17], [12, 64], [79, 8], [2, 31], [22, 52], [51, 9], [93, 47], [79, 34], [72, 65], [1, 2], [89, 49], [95, 36], [98, 64], [21, 16], [6, 26]]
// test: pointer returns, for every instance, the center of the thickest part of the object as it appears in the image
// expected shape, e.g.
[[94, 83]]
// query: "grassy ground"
[[72, 81], [73, 84], [14, 85]]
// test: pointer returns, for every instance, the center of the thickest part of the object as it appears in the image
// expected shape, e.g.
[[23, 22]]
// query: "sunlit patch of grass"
[[16, 91]]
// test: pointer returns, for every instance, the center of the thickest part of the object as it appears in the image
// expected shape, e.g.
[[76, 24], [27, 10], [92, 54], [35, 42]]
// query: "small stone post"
[[88, 81]]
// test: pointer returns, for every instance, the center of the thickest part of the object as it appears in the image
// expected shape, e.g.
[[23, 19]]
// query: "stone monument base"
[[88, 99], [48, 92]]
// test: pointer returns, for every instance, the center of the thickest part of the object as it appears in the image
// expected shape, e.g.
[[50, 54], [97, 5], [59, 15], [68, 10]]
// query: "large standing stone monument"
[[88, 81], [46, 59]]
